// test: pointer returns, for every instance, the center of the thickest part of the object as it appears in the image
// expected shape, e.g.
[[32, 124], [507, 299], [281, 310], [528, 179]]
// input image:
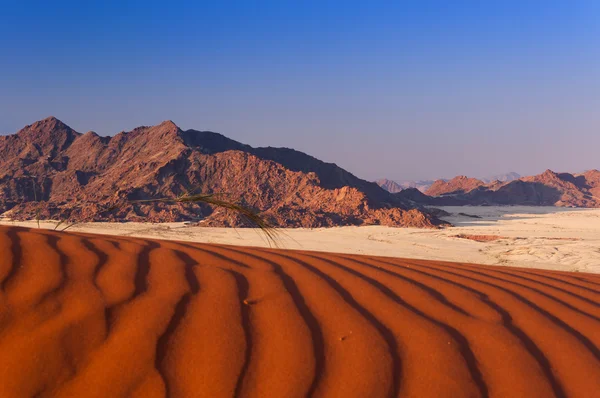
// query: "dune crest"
[[85, 315]]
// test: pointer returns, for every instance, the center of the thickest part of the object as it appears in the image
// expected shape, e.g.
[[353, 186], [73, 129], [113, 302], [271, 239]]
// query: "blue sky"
[[402, 89]]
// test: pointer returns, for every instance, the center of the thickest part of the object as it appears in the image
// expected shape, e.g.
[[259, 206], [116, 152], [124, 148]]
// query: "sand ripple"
[[84, 315]]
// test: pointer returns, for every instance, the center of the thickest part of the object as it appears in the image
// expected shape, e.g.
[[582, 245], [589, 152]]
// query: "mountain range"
[[50, 171], [506, 177], [424, 185], [397, 186], [546, 189]]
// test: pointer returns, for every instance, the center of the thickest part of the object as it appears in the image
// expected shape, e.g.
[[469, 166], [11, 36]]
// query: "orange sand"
[[90, 316]]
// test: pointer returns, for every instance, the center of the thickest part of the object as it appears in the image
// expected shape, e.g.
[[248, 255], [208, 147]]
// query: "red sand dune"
[[90, 316]]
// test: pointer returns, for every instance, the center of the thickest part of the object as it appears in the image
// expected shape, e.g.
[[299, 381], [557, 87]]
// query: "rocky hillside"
[[49, 170]]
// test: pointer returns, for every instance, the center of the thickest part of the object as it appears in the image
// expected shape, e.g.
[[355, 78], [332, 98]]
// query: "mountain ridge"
[[395, 186], [81, 177], [546, 189]]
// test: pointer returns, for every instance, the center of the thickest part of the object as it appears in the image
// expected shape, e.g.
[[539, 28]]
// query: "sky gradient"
[[402, 89]]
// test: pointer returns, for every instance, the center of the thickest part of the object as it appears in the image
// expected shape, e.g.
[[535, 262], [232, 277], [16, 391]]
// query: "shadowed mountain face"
[[546, 189], [330, 175], [80, 177]]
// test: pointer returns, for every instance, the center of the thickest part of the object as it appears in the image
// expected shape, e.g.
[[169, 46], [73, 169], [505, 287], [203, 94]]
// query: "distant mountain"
[[49, 169], [389, 185], [546, 189], [397, 186], [425, 185], [460, 184], [507, 177]]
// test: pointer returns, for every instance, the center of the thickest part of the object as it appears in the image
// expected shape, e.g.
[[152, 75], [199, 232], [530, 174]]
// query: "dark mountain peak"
[[49, 135], [330, 175], [167, 125], [157, 136], [549, 173], [412, 194], [211, 142], [389, 185], [165, 128], [47, 125], [50, 119]]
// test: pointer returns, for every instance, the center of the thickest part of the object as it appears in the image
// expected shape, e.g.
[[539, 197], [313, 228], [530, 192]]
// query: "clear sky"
[[398, 89]]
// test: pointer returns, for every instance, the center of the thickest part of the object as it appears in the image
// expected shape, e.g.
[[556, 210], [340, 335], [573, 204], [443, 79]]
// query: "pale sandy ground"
[[537, 237]]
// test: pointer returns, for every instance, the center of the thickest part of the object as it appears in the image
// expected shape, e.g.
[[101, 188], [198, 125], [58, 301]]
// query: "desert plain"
[[545, 237]]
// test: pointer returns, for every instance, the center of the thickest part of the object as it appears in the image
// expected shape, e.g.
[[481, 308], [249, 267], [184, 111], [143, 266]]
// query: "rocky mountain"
[[457, 185], [49, 170], [546, 189], [389, 185], [425, 185]]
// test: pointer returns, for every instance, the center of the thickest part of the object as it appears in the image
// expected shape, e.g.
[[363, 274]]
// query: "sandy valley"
[[538, 237]]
